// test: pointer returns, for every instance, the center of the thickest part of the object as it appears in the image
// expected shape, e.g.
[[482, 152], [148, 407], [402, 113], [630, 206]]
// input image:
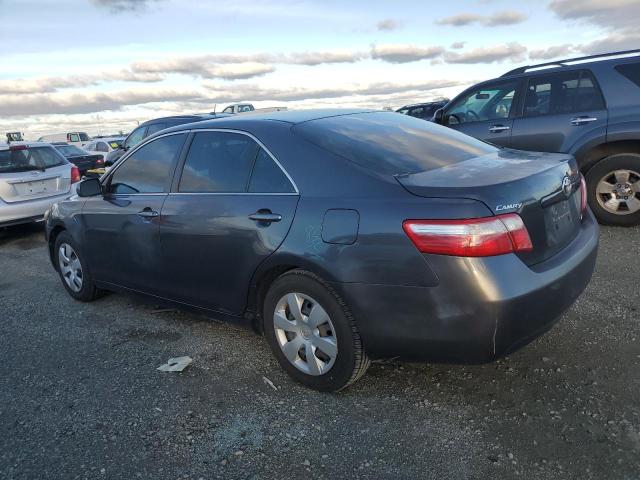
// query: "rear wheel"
[[312, 332], [73, 269], [613, 186]]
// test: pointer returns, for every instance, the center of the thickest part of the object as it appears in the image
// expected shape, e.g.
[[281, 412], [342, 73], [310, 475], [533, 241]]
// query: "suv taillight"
[[475, 237], [583, 195], [75, 174]]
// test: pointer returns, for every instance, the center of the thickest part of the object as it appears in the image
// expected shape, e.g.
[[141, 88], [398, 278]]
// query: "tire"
[[312, 330], [87, 290], [607, 174]]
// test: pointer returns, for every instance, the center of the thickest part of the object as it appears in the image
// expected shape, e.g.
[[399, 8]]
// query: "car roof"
[[287, 116], [5, 146], [178, 118], [423, 104]]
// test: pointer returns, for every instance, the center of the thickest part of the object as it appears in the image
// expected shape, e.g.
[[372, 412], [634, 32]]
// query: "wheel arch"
[[53, 235], [591, 156]]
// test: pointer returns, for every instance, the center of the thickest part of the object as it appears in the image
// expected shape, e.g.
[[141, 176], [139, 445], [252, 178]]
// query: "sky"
[[103, 66]]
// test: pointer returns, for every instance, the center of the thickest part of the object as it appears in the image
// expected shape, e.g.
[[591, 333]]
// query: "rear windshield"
[[390, 143], [70, 150], [35, 158]]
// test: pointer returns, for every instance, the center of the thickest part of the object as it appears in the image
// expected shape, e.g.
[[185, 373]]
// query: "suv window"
[[267, 177], [562, 93], [155, 127], [73, 137], [135, 137], [149, 167], [490, 102], [218, 162], [631, 71]]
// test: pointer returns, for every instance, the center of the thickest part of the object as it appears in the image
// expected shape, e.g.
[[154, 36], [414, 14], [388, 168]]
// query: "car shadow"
[[25, 237]]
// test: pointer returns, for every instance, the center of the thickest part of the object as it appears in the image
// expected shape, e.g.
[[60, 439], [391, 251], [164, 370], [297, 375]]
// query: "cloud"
[[458, 45], [496, 54], [555, 51], [608, 14], [116, 6], [508, 17], [388, 25], [203, 67], [400, 53]]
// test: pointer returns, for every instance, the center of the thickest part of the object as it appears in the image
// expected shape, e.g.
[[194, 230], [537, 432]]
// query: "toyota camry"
[[341, 236]]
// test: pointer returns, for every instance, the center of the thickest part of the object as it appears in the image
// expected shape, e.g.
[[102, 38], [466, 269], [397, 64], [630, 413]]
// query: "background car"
[[79, 157], [72, 138], [33, 176], [394, 236], [104, 146], [588, 107], [150, 127], [424, 111]]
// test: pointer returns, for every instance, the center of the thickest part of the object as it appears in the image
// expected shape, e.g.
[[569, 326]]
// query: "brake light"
[[583, 195], [100, 159], [75, 174], [475, 237]]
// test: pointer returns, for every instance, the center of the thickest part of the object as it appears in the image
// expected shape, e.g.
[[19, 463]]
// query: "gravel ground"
[[80, 396]]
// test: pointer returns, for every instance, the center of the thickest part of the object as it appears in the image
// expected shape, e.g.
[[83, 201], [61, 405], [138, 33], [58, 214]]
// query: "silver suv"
[[33, 176]]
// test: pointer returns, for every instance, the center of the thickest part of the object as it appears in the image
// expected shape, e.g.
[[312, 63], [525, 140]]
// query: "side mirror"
[[89, 188], [438, 115]]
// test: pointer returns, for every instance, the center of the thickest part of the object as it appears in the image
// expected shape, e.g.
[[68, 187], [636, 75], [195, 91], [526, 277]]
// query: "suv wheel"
[[73, 269], [312, 333], [613, 186]]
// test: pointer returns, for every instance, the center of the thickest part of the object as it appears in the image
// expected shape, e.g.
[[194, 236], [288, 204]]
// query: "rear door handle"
[[148, 213], [498, 128], [265, 216], [582, 120]]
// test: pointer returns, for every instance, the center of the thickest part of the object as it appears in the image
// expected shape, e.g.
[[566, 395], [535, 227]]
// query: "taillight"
[[75, 174], [583, 195], [100, 160], [475, 237]]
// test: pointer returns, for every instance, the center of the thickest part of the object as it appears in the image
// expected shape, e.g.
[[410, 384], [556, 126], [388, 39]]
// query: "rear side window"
[[267, 177], [73, 137], [218, 162], [102, 147], [392, 144], [562, 93], [631, 71], [149, 168]]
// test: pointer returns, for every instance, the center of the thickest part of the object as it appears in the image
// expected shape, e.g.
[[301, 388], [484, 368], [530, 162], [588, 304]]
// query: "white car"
[[72, 138], [103, 145], [33, 176]]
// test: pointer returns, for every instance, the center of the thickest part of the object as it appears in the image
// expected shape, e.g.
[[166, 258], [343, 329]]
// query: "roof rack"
[[563, 63]]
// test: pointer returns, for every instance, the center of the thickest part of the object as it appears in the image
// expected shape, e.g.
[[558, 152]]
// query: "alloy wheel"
[[305, 333], [70, 267], [618, 192]]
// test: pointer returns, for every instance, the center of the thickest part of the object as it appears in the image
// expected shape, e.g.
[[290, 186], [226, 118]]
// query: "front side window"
[[149, 168], [483, 104], [218, 162], [136, 137], [562, 93]]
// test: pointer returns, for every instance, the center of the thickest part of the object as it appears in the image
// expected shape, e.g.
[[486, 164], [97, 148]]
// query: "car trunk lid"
[[34, 184], [544, 189]]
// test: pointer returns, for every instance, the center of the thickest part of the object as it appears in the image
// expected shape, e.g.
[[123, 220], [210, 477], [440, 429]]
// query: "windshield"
[[35, 158], [70, 150], [392, 144]]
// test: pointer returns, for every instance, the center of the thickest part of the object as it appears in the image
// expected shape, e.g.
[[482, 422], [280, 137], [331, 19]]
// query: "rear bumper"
[[482, 308], [29, 210]]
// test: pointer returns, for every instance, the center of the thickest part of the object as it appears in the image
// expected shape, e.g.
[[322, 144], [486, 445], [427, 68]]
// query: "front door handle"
[[265, 216], [582, 120], [498, 128], [148, 213]]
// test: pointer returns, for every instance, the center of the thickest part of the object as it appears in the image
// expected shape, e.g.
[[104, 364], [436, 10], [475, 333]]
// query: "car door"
[[122, 225], [559, 110], [230, 207], [485, 112]]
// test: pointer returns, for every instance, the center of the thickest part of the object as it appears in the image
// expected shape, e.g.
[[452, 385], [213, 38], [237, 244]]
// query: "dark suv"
[[588, 107], [424, 110], [150, 127]]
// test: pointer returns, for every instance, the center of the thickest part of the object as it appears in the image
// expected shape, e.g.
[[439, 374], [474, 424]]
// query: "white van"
[[72, 138]]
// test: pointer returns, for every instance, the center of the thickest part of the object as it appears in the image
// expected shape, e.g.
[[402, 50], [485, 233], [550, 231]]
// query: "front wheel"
[[613, 187], [312, 332], [73, 269]]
